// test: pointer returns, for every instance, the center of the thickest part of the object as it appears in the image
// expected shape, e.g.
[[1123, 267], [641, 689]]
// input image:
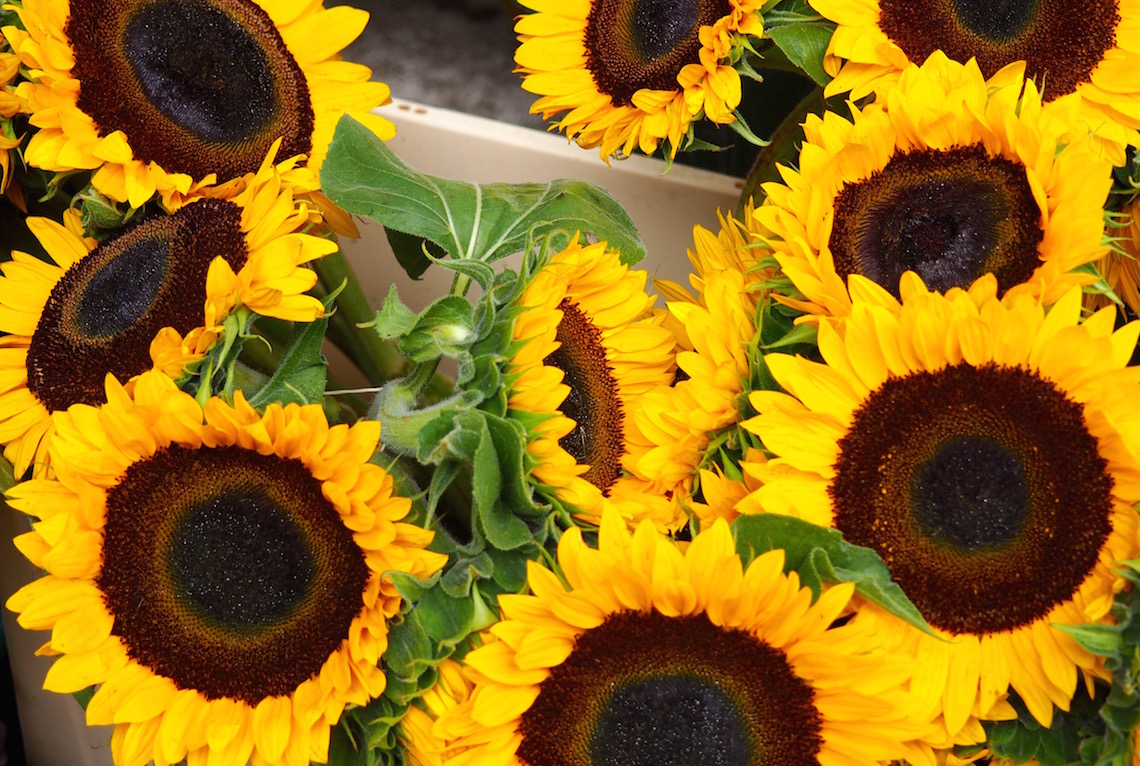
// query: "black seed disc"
[[971, 494], [635, 44], [950, 216], [1061, 41], [981, 488], [593, 403], [229, 572], [197, 86], [105, 311], [642, 689]]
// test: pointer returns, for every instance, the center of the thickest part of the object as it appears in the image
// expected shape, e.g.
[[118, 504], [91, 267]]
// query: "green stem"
[[783, 149], [378, 359], [418, 381]]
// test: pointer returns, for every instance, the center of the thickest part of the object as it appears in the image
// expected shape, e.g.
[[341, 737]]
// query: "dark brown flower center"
[[1061, 41], [593, 403], [642, 689], [635, 44], [197, 86], [951, 216], [981, 488], [105, 311], [229, 572]]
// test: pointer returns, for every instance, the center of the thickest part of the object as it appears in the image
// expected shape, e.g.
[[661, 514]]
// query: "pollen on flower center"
[[260, 565], [951, 216], [645, 43], [197, 86], [1061, 41], [972, 494], [981, 488], [996, 19], [249, 579], [704, 694], [106, 309]]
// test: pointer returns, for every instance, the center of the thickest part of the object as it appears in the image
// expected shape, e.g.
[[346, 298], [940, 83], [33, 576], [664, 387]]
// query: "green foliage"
[[804, 43], [473, 222], [1024, 739], [301, 374], [409, 251], [820, 555], [1096, 731], [217, 370]]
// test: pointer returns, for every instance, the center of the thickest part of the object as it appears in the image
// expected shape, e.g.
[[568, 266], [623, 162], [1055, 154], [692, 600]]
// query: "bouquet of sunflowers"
[[864, 492]]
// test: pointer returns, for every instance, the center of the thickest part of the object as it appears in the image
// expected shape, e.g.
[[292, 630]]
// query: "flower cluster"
[[863, 492]]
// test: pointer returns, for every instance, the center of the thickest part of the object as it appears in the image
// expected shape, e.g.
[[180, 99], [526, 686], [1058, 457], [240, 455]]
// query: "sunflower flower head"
[[944, 176], [629, 75], [152, 295], [648, 654], [186, 98], [220, 574], [988, 452], [717, 328], [586, 350], [1082, 54]]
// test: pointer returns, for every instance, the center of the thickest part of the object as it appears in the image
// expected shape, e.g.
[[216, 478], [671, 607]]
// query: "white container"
[[664, 207]]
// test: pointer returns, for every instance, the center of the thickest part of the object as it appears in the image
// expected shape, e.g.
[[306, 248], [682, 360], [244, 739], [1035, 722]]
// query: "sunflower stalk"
[[378, 359]]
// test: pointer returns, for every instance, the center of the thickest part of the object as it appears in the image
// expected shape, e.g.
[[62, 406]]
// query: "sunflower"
[[422, 745], [650, 655], [136, 301], [584, 353], [1084, 55], [988, 451], [630, 73], [943, 179], [219, 574], [186, 97], [717, 325]]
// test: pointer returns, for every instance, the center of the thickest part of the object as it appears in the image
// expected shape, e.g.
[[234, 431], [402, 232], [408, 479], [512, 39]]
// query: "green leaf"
[[1097, 639], [409, 650], [804, 44], [83, 696], [821, 555], [445, 619], [441, 478], [451, 435], [302, 372], [800, 334], [410, 587], [480, 222], [503, 529], [510, 441], [394, 318], [344, 751], [485, 466], [459, 578], [410, 251], [1063, 743], [482, 274], [510, 570]]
